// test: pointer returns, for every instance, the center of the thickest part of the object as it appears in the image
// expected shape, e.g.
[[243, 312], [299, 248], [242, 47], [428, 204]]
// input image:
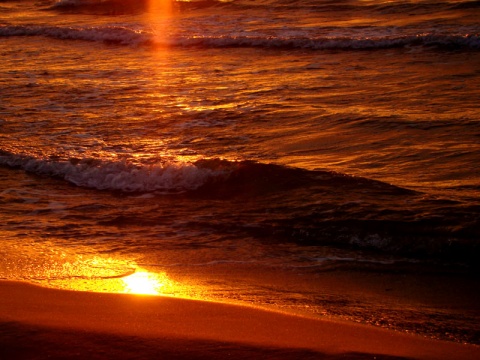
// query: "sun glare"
[[160, 7], [142, 283]]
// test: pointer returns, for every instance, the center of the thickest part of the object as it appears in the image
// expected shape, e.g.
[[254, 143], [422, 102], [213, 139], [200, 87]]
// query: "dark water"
[[244, 148]]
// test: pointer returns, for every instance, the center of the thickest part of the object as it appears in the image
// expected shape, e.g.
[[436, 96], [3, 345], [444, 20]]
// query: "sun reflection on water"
[[82, 269], [159, 8], [143, 283], [139, 282]]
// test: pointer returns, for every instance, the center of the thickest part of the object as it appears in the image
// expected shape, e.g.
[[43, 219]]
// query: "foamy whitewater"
[[234, 144]]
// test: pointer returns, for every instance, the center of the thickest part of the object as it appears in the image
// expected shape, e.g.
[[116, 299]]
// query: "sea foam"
[[118, 175], [133, 37]]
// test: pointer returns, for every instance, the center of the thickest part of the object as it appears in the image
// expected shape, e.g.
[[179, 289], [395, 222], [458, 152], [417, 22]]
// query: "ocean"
[[247, 151]]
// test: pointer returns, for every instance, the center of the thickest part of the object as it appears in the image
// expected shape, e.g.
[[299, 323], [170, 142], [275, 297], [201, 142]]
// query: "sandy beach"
[[40, 323]]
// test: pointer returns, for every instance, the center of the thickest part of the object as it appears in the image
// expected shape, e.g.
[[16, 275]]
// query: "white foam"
[[121, 175], [134, 37], [113, 34]]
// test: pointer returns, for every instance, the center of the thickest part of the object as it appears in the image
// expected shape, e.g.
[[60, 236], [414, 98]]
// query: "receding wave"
[[131, 37]]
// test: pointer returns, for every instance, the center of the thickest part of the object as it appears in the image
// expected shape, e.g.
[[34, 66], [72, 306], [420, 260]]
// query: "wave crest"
[[118, 176], [108, 34], [131, 37], [214, 177]]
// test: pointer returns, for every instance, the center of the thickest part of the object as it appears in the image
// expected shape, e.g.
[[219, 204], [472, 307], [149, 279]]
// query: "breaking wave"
[[116, 176], [285, 204], [132, 37], [214, 176]]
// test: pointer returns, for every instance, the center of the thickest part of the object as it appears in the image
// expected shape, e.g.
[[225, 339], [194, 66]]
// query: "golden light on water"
[[140, 282], [158, 17], [143, 283], [159, 8], [46, 264]]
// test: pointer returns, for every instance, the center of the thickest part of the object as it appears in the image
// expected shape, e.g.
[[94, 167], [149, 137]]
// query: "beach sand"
[[40, 323]]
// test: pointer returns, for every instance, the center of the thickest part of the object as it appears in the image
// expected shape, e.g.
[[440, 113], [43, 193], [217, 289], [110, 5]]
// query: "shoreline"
[[40, 323]]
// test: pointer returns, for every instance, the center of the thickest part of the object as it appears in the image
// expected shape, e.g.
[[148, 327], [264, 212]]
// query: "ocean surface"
[[240, 150]]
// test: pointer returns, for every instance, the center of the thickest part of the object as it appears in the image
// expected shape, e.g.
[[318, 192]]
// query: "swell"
[[129, 37], [333, 209], [214, 177]]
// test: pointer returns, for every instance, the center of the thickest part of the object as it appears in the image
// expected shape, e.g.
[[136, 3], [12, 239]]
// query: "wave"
[[131, 37], [211, 176], [275, 203], [116, 175], [312, 207], [338, 43], [109, 34], [250, 178]]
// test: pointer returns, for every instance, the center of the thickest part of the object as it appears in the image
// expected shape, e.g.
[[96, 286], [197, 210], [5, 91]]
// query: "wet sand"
[[39, 323]]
